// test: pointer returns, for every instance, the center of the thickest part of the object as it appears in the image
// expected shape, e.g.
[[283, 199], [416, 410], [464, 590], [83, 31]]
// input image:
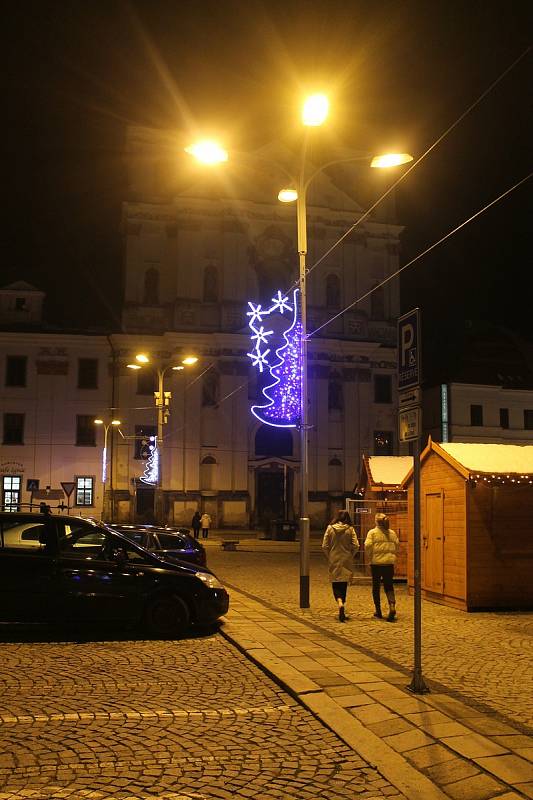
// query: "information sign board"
[[409, 346]]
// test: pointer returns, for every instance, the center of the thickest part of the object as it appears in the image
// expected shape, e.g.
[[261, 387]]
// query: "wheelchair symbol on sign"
[[412, 357]]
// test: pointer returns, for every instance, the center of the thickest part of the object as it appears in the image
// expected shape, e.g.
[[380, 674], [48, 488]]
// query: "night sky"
[[399, 74]]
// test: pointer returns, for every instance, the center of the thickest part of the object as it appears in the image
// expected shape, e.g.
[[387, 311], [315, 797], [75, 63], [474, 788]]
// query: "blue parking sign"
[[409, 361]]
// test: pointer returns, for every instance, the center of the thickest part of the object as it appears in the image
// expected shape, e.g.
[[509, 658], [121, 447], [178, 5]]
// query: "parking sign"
[[409, 367]]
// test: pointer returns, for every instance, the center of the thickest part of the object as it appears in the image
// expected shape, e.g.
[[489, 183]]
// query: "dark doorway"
[[274, 490], [145, 504]]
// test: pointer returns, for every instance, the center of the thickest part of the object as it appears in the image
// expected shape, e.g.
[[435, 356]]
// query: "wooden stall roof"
[[494, 463], [383, 473]]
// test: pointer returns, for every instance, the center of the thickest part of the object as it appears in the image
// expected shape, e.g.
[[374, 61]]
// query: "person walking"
[[205, 522], [381, 546], [340, 546], [196, 524]]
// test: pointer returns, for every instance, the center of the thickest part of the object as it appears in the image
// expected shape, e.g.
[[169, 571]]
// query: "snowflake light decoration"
[[283, 393], [151, 470]]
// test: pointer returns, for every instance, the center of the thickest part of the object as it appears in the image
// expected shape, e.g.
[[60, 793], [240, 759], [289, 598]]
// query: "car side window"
[[81, 540], [24, 533], [168, 542]]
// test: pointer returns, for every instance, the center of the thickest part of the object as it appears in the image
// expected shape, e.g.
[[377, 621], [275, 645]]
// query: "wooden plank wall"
[[500, 546], [436, 476]]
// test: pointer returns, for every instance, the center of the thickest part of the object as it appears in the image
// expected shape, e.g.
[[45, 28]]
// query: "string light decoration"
[[104, 465], [151, 470], [284, 363], [499, 479]]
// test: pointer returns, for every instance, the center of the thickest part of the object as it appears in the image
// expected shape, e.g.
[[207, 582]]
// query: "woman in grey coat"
[[340, 545]]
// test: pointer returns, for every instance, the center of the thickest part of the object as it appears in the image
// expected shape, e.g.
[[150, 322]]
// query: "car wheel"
[[167, 615]]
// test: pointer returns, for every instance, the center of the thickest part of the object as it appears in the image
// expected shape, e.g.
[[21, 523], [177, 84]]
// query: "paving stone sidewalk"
[[430, 747]]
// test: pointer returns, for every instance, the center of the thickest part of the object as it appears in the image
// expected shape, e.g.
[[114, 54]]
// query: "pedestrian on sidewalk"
[[196, 524], [205, 522], [381, 546], [340, 546]]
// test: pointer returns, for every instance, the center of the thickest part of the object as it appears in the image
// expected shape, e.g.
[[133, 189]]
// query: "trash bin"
[[285, 530]]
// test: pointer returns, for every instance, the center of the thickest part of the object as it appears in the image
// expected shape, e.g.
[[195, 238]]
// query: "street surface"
[[484, 658], [136, 719]]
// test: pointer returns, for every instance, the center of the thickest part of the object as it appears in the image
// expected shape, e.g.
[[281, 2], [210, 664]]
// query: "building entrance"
[[274, 490], [145, 504]]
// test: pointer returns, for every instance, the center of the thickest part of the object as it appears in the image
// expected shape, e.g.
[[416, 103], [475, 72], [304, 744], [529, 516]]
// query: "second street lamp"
[[115, 423], [162, 404]]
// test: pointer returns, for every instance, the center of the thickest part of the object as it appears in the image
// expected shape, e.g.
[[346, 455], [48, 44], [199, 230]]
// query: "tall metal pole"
[[304, 450], [417, 685]]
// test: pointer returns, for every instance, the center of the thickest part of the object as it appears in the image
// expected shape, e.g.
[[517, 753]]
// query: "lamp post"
[[314, 113], [112, 423], [162, 403]]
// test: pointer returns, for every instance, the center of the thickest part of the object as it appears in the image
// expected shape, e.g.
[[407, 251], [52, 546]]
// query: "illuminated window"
[[11, 492], [84, 491]]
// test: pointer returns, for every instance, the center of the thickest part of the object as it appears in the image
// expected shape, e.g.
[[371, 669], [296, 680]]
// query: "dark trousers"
[[196, 532], [339, 590], [385, 573], [205, 533]]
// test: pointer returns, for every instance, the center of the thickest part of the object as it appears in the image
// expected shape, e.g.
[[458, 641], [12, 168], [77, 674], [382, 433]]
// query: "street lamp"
[[314, 113], [115, 423], [162, 403]]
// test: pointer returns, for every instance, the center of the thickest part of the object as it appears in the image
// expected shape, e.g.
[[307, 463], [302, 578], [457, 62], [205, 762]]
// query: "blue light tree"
[[283, 409]]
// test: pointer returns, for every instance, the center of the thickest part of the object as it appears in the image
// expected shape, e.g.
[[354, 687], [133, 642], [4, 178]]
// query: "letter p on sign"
[[407, 341]]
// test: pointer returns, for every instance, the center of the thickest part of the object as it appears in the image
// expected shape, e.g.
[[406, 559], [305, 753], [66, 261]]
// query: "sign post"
[[68, 487], [409, 420]]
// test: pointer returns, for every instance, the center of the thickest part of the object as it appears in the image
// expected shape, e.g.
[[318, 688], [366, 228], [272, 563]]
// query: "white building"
[[192, 260]]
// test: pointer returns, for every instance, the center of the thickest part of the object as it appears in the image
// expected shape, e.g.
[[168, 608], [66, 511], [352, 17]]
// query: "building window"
[[382, 388], [87, 373], [13, 429], [476, 415], [528, 419], [270, 441], [16, 370], [11, 492], [146, 382], [151, 287], [333, 291], [383, 442], [208, 473], [335, 475], [85, 431], [210, 285], [335, 399], [20, 304], [142, 440], [84, 491], [210, 388], [504, 417]]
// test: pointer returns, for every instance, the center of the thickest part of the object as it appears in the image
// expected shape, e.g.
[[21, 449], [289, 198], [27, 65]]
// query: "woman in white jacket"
[[340, 545], [381, 546]]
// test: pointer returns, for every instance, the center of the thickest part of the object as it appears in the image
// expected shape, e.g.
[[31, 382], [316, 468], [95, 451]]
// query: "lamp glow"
[[288, 195], [190, 360], [178, 368], [98, 421], [142, 358], [315, 110], [207, 152], [133, 366], [116, 422], [390, 160]]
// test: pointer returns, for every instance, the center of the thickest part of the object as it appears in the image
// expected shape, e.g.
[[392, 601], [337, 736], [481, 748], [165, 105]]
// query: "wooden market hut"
[[476, 524], [379, 488]]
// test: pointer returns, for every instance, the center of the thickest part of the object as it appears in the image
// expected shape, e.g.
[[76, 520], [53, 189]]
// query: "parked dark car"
[[175, 543], [60, 569]]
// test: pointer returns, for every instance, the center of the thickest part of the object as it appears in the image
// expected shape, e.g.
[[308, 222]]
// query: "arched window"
[[208, 473], [271, 441], [210, 388], [210, 285], [335, 475], [377, 303], [333, 291], [151, 287]]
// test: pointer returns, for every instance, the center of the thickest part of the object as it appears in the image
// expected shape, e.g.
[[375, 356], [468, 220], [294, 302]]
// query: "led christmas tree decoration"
[[151, 470], [283, 394]]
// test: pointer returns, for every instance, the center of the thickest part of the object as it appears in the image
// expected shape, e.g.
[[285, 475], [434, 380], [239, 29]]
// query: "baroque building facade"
[[197, 249]]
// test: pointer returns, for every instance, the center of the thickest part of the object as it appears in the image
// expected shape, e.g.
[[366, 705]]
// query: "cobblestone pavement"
[[134, 719], [485, 658]]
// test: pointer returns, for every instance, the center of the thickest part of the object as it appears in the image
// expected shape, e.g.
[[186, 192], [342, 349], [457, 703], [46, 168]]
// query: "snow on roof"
[[389, 470], [494, 458]]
